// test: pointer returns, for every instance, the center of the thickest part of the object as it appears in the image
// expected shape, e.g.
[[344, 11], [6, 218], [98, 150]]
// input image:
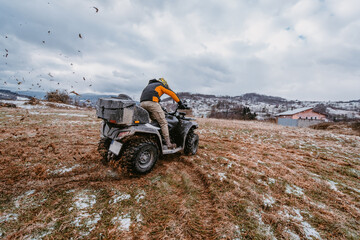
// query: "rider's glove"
[[181, 105]]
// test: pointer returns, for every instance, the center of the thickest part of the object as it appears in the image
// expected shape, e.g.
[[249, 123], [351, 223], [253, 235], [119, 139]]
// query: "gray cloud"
[[305, 49]]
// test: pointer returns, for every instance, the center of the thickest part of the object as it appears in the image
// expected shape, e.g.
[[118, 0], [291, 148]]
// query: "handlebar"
[[176, 110]]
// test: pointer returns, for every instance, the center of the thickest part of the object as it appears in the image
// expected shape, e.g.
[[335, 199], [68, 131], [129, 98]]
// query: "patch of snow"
[[87, 220], [60, 105], [21, 104], [139, 218], [28, 193], [22, 99], [262, 182], [309, 231], [319, 205], [24, 199], [292, 235], [83, 200], [271, 180], [42, 235], [59, 114], [119, 197], [222, 176], [65, 169], [355, 171], [349, 114], [294, 190], [354, 189], [332, 185], [237, 232], [298, 215], [140, 195], [123, 222], [73, 115], [8, 217], [264, 228], [269, 201]]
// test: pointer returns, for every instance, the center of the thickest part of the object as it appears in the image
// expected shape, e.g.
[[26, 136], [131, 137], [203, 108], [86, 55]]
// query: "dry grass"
[[249, 180]]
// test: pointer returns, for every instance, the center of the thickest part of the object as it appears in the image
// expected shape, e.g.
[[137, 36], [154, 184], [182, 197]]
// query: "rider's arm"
[[161, 89]]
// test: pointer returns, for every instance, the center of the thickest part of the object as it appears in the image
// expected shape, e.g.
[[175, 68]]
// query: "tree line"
[[239, 113]]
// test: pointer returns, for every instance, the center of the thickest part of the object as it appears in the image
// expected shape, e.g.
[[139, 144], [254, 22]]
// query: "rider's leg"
[[158, 114]]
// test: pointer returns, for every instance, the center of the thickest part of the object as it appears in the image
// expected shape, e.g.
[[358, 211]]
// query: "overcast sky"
[[296, 49]]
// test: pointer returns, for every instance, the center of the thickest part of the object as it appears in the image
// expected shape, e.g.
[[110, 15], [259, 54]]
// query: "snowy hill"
[[265, 106]]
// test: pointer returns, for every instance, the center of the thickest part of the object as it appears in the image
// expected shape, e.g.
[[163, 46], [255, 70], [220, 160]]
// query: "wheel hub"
[[145, 158]]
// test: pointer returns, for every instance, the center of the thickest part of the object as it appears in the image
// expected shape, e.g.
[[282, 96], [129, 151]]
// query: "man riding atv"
[[150, 99], [130, 140]]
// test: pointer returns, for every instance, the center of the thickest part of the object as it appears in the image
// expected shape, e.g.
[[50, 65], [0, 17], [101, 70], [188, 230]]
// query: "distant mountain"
[[92, 97], [88, 98], [35, 94], [8, 95], [250, 97], [254, 97]]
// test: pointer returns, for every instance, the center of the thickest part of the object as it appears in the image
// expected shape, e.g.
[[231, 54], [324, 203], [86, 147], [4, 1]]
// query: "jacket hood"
[[153, 81]]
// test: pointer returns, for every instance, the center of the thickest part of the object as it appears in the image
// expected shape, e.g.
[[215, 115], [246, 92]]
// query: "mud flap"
[[115, 147]]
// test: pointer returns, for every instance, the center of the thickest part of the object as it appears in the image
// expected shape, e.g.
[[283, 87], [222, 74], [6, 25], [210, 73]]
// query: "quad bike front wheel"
[[191, 143], [140, 155]]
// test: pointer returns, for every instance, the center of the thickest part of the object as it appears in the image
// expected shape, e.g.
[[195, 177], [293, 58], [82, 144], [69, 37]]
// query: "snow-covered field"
[[22, 103], [249, 180]]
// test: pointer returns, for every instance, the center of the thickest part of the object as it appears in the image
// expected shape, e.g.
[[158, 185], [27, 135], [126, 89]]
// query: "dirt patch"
[[350, 128]]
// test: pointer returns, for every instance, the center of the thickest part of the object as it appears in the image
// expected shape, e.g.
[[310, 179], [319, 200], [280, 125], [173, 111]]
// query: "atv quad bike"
[[130, 138]]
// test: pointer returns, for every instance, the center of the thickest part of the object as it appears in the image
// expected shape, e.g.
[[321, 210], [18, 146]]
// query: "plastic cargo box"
[[121, 111]]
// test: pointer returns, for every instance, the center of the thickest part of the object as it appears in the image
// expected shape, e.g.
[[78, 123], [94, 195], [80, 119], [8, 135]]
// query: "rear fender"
[[110, 132], [149, 129], [144, 129]]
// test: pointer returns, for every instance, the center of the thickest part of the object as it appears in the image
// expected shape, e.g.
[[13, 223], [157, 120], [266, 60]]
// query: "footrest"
[[171, 151]]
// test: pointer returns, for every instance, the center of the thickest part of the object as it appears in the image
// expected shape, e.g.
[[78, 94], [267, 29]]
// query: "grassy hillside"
[[249, 180]]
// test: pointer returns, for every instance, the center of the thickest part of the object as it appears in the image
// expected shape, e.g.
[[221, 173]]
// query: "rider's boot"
[[169, 144]]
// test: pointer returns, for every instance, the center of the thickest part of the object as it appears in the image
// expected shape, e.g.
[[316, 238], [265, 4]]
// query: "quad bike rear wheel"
[[103, 148], [191, 143], [140, 155]]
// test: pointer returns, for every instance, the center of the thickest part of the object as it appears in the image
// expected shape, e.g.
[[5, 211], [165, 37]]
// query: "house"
[[301, 117]]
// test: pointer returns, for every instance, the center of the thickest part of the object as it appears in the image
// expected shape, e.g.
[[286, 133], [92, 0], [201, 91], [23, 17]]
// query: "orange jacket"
[[154, 90]]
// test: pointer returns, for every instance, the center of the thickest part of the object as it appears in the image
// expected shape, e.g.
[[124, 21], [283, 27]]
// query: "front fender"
[[186, 127]]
